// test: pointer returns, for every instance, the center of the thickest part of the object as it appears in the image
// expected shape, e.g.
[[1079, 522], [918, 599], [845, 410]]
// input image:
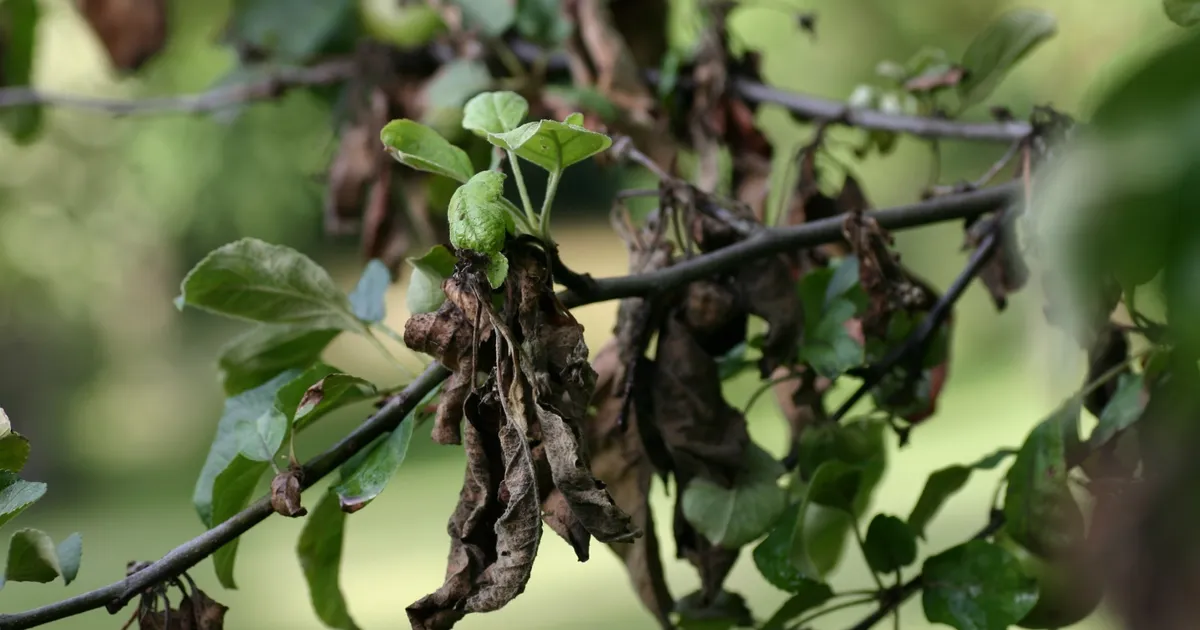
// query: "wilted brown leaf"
[[209, 613], [285, 493], [1006, 271], [132, 31], [557, 514]]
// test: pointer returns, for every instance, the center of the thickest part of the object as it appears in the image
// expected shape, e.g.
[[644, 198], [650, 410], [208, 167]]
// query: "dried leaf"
[[285, 494], [1006, 271], [132, 31], [557, 514]]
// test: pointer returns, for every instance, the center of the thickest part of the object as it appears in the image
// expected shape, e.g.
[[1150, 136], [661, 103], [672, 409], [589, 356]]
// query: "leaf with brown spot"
[[132, 31], [285, 494], [1005, 272]]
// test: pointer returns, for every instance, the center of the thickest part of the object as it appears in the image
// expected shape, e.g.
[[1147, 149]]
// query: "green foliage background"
[[118, 393]]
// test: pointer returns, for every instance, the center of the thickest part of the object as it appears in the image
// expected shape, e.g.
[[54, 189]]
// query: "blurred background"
[[117, 390]]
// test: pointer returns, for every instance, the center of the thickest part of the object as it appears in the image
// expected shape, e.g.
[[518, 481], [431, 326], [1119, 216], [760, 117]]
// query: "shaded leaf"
[[131, 32], [332, 392], [231, 493], [285, 494], [31, 557], [70, 553], [479, 220], [494, 112], [454, 83], [417, 146], [490, 17], [732, 517], [320, 553], [550, 144], [366, 481], [1183, 12], [890, 544], [18, 37], [944, 483], [16, 495], [253, 280], [1000, 46], [425, 293], [497, 269], [1039, 511], [976, 586], [776, 556], [808, 595], [835, 484], [268, 349], [368, 300], [286, 30], [726, 610], [542, 21], [826, 300], [1121, 412]]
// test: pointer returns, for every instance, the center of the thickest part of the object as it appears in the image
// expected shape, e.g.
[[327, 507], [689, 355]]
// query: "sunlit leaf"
[[552, 145], [890, 544], [1000, 46], [424, 293], [735, 516], [422, 148], [943, 484], [368, 300], [494, 112], [976, 586], [320, 553]]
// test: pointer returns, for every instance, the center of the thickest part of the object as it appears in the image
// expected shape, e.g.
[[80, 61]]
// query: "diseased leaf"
[[999, 48], [550, 144], [231, 493], [494, 112], [289, 31], [367, 480], [1121, 412], [31, 557], [268, 349], [1183, 12], [478, 218], [835, 484], [332, 392], [417, 146], [70, 553], [1039, 511], [976, 586], [285, 494], [368, 300], [425, 293], [808, 595], [944, 483], [733, 517], [490, 17], [320, 553], [18, 37], [16, 495], [497, 269], [890, 544], [252, 280]]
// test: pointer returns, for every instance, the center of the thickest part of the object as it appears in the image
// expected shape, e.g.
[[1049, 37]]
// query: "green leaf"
[[497, 269], [16, 495], [368, 480], [1038, 508], [542, 21], [944, 483], [328, 394], [417, 146], [18, 38], [1000, 46], [368, 300], [14, 447], [844, 278], [259, 438], [268, 349], [401, 25], [70, 553], [257, 281], [976, 586], [835, 484], [320, 553], [31, 557], [826, 297], [494, 112], [890, 544], [490, 17], [552, 145], [776, 556], [1119, 414], [287, 30], [808, 595], [478, 219], [425, 293], [725, 611], [1183, 12], [231, 493], [455, 82], [248, 405], [732, 517]]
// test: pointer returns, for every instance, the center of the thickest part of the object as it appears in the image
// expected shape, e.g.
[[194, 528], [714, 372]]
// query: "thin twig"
[[269, 87], [772, 241]]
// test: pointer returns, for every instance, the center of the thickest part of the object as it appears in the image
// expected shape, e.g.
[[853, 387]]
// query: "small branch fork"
[[762, 244]]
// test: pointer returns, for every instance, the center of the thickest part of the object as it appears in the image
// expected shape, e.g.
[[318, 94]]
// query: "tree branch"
[[765, 243], [271, 86]]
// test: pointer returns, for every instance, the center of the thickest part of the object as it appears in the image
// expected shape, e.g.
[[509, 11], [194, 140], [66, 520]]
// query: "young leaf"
[[494, 112], [14, 447], [808, 595], [976, 586], [1122, 410], [257, 281], [890, 544], [491, 18], [268, 349], [1039, 511], [231, 493], [835, 484], [777, 558], [425, 293], [18, 37], [70, 553], [732, 517], [497, 269], [328, 394], [552, 145], [478, 219], [16, 495], [417, 146], [944, 483], [998, 48], [368, 300], [320, 553], [31, 557], [367, 481], [1183, 12]]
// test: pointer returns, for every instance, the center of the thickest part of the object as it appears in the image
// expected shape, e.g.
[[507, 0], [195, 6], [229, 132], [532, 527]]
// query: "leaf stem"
[[551, 190], [519, 217], [516, 167]]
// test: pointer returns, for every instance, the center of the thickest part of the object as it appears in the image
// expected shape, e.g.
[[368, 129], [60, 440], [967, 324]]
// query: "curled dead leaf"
[[285, 493]]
